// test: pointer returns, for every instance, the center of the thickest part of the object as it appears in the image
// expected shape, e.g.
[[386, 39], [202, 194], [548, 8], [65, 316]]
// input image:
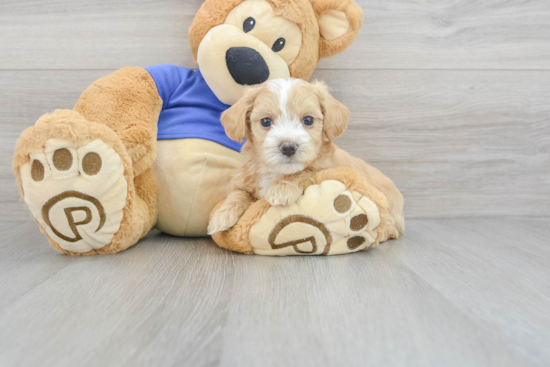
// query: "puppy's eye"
[[278, 45], [308, 120], [249, 24], [266, 122]]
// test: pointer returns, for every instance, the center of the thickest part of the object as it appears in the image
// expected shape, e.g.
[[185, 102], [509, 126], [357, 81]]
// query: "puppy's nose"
[[288, 148], [246, 66]]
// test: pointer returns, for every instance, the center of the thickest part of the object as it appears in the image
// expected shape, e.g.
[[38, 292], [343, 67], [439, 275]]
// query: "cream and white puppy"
[[289, 125]]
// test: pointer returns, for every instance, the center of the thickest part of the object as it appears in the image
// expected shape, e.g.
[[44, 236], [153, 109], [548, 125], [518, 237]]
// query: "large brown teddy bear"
[[145, 147]]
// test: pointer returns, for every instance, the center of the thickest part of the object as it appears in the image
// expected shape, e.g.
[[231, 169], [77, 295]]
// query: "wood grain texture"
[[457, 143], [461, 292], [464, 131], [399, 34], [450, 34]]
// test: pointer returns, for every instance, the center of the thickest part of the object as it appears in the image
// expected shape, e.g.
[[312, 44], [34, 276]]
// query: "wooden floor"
[[450, 98], [452, 292]]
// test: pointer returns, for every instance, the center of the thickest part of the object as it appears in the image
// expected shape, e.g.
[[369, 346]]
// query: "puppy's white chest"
[[266, 180]]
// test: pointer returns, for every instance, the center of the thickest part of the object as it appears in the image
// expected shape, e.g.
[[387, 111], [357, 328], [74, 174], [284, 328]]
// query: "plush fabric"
[[339, 212], [193, 175], [354, 13], [212, 13], [263, 26], [300, 13], [70, 215], [138, 215], [89, 175], [127, 102], [333, 24], [225, 47]]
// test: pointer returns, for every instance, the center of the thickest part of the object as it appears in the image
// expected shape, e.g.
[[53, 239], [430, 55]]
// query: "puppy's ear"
[[336, 115], [339, 24], [235, 118]]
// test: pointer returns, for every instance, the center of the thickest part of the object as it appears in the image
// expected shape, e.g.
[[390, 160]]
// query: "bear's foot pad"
[[328, 219], [77, 193]]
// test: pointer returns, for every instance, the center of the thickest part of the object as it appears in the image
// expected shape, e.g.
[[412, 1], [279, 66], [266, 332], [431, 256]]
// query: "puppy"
[[290, 126]]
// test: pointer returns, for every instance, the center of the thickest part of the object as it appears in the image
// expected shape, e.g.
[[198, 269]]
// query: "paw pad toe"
[[355, 242], [358, 222], [62, 159], [37, 170], [342, 204], [91, 164]]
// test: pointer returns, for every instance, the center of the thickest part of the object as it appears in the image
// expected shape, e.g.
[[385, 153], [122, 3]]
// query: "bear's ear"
[[235, 118], [339, 24]]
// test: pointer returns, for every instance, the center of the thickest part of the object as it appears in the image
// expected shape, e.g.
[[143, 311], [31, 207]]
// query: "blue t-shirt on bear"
[[189, 107]]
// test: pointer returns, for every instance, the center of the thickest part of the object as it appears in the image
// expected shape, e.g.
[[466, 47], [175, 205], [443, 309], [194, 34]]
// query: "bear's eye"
[[278, 45], [308, 120], [249, 24], [266, 122]]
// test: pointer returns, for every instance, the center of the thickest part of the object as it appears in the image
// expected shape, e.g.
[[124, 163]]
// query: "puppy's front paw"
[[222, 220], [283, 194]]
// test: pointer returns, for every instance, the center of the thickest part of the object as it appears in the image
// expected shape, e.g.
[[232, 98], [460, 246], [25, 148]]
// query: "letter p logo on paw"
[[327, 220], [77, 193], [70, 213]]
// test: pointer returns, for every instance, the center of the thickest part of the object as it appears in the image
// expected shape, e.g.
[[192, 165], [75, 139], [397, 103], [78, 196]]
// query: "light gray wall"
[[449, 98]]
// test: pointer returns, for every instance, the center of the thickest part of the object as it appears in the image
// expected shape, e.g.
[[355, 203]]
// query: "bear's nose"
[[288, 148], [246, 65]]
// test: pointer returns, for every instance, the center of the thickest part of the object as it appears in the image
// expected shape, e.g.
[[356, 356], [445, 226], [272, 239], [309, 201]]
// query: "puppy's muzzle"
[[246, 66], [288, 148]]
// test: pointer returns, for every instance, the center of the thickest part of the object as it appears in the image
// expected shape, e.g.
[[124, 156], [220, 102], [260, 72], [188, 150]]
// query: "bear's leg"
[[86, 174], [126, 101], [340, 212]]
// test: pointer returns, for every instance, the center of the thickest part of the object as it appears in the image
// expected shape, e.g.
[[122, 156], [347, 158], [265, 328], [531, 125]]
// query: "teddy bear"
[[144, 147]]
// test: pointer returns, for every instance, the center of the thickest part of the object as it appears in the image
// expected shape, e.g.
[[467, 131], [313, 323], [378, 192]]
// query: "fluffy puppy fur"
[[290, 126]]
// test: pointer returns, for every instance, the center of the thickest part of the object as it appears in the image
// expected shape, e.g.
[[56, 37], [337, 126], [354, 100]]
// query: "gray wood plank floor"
[[460, 292], [450, 98]]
